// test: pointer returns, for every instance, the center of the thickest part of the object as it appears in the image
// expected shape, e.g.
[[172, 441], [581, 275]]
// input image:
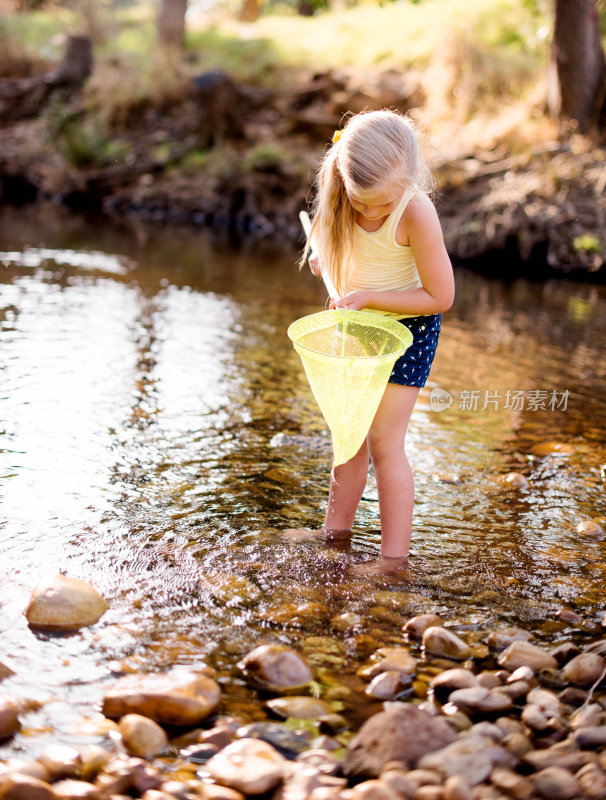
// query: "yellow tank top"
[[380, 263]]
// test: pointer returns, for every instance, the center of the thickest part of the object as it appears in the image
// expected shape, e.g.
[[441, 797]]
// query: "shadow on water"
[[158, 433]]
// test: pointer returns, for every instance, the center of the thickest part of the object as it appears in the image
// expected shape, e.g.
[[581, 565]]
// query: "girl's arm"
[[420, 228]]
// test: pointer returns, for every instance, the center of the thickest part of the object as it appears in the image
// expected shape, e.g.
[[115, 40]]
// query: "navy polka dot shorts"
[[412, 369]]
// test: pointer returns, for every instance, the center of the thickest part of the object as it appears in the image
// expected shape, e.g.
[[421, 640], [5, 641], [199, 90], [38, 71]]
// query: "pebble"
[[556, 783], [389, 685], [299, 707], [9, 718], [276, 666], [403, 732], [523, 654], [64, 604], [416, 626], [440, 641], [451, 679], [250, 766], [142, 736], [591, 528], [175, 698], [584, 669], [14, 786], [503, 637], [552, 449]]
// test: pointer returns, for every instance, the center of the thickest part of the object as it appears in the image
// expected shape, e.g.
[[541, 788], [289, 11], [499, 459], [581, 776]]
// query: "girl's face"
[[375, 204]]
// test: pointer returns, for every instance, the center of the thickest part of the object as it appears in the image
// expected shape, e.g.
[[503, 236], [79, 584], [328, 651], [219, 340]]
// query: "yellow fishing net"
[[348, 357]]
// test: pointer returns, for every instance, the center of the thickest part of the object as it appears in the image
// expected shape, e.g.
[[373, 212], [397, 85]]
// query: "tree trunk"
[[77, 62], [578, 68], [249, 11], [171, 22]]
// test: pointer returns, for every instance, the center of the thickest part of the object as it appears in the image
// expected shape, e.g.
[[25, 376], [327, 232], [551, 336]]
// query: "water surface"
[[158, 433]]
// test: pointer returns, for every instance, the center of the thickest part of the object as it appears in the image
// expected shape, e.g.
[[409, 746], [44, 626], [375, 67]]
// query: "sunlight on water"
[[158, 432]]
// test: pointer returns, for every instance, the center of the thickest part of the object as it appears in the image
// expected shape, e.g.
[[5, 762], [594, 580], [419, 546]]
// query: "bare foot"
[[384, 565], [330, 534]]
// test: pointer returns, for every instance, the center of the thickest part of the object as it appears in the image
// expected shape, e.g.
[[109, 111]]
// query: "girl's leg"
[[393, 474], [347, 483]]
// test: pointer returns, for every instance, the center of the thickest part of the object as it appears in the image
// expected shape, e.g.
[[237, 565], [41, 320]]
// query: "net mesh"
[[348, 357]]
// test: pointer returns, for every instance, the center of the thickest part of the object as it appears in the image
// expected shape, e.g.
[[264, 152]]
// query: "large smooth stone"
[[14, 786], [524, 654], [177, 698], [450, 680], [142, 736], [401, 733], [503, 637], [64, 604], [440, 641], [250, 766], [275, 667], [471, 757], [299, 707], [416, 626], [9, 720], [552, 449], [584, 669]]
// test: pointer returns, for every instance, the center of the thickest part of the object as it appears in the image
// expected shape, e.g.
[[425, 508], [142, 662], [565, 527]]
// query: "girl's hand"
[[353, 301]]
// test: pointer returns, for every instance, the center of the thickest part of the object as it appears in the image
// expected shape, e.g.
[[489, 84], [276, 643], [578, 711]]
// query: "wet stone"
[[390, 659], [564, 652], [556, 783], [64, 604], [587, 717], [14, 786], [471, 757], [521, 653], [514, 785], [592, 780], [276, 667], [300, 707], [440, 641], [503, 637], [584, 669], [416, 626], [250, 766], [389, 685], [401, 733], [71, 789], [175, 698], [552, 449], [457, 788], [9, 719], [282, 738], [592, 529], [142, 736], [478, 700], [5, 671], [61, 761], [450, 680], [590, 737], [347, 621]]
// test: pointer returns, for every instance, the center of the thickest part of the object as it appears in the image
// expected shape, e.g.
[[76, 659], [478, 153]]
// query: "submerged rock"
[[250, 766], [401, 733], [9, 719], [64, 604], [416, 626], [177, 698], [276, 667], [552, 449], [591, 528], [440, 641], [142, 736]]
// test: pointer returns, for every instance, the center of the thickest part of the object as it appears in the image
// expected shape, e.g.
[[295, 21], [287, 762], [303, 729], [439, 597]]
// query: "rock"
[[214, 791], [478, 700], [450, 680], [554, 757], [394, 660], [389, 685], [276, 667], [552, 449], [402, 732], [9, 719], [470, 756], [347, 621], [511, 783], [591, 528], [61, 761], [564, 652], [592, 780], [556, 783], [64, 604], [14, 786], [5, 671], [142, 736], [591, 737], [299, 707], [175, 698], [374, 790], [457, 788], [584, 669], [71, 789], [588, 717], [513, 480], [441, 642], [321, 759], [416, 626], [278, 735], [520, 654], [31, 768], [250, 766], [503, 637]]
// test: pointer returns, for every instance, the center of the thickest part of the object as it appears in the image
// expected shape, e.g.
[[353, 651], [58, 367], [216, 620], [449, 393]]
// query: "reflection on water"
[[158, 432]]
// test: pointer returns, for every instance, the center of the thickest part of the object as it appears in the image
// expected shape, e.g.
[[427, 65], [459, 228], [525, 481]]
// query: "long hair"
[[376, 150]]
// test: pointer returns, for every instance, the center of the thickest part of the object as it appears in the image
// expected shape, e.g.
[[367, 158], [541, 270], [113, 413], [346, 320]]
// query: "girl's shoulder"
[[419, 211]]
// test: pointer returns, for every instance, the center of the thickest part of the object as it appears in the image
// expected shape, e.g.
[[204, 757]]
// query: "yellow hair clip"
[[336, 136]]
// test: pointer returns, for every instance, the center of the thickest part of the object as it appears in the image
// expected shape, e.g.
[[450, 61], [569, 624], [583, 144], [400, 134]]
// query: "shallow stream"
[[157, 433]]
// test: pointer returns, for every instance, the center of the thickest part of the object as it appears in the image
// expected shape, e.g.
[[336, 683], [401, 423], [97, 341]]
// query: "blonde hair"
[[376, 150]]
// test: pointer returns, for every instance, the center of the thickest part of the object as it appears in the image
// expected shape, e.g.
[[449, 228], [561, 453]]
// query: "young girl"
[[378, 237]]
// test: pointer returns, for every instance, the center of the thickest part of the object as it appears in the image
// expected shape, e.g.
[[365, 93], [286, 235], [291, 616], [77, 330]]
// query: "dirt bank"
[[231, 156]]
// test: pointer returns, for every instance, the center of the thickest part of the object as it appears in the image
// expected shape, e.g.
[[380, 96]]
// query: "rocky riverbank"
[[241, 158], [453, 716]]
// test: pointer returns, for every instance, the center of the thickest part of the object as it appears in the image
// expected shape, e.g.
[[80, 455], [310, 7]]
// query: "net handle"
[[306, 225]]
